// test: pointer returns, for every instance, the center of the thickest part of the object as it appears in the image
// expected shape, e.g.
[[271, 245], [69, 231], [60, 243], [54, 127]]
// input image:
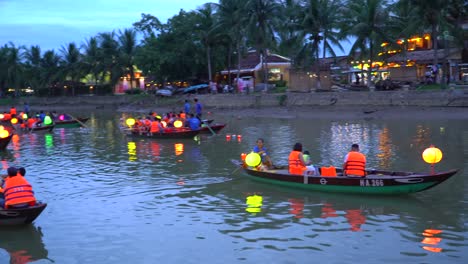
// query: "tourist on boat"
[[262, 151], [187, 107], [13, 111], [156, 127], [17, 191], [193, 122], [354, 162], [198, 108], [297, 165]]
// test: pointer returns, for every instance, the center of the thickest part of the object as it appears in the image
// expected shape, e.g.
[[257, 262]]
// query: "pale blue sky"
[[55, 23]]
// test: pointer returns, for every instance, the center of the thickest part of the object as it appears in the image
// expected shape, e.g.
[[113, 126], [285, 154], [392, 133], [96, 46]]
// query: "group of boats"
[[21, 216]]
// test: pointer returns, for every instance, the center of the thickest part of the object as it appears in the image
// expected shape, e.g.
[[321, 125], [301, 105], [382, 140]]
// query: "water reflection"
[[430, 240], [254, 204], [23, 244], [132, 151]]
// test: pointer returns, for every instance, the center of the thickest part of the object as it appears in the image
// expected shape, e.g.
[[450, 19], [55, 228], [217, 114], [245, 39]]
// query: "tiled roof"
[[252, 60]]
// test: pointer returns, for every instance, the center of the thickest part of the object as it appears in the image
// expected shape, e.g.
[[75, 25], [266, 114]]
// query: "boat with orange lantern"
[[330, 179], [169, 133], [6, 133]]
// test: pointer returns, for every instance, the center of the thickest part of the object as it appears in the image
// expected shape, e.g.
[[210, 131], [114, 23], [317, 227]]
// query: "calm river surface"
[[115, 199]]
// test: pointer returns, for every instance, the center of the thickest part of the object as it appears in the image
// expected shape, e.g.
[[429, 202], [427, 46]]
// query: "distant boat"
[[78, 122], [375, 182]]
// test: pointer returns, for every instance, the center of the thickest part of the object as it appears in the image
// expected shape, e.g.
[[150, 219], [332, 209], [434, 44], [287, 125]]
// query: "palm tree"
[[33, 67], [233, 19], [319, 24], [127, 48], [207, 31], [92, 58], [110, 53], [12, 68], [50, 70], [71, 64], [366, 21], [264, 16]]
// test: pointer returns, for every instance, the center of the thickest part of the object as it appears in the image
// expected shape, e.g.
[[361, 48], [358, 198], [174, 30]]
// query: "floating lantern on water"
[[178, 124], [432, 155], [253, 159], [239, 138], [14, 120], [228, 137], [4, 133], [130, 122]]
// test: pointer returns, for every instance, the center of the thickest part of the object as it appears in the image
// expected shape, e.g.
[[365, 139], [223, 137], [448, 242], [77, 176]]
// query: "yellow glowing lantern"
[[14, 120], [1, 127], [432, 155], [130, 122], [1, 116], [254, 203], [253, 159], [179, 148], [178, 123], [4, 133]]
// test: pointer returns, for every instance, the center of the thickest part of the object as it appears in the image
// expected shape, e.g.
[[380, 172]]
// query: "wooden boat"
[[21, 216], [375, 182], [78, 122], [215, 127], [41, 128], [5, 141], [168, 134]]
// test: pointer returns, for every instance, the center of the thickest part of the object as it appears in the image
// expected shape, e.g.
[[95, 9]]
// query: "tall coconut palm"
[[264, 16], [92, 58], [127, 48], [33, 67], [12, 68], [320, 23], [50, 65], [110, 53], [233, 20], [71, 64], [366, 20], [206, 31]]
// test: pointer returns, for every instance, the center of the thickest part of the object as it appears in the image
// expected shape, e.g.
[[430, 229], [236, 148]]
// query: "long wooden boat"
[[375, 182], [168, 134], [72, 123], [5, 141], [21, 216], [41, 128]]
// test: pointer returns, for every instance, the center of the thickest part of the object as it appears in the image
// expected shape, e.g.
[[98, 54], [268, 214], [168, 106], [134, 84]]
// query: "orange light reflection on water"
[[431, 240]]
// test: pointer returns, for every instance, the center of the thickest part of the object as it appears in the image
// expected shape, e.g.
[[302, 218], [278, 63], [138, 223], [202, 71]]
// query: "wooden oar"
[[206, 123], [81, 123]]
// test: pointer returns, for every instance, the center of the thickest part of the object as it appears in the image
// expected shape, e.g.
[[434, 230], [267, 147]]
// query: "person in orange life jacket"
[[156, 127], [297, 165], [355, 162], [17, 190], [262, 151], [13, 111]]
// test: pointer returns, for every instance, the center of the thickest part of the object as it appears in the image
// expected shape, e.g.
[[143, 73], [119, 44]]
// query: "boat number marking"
[[323, 181], [371, 183]]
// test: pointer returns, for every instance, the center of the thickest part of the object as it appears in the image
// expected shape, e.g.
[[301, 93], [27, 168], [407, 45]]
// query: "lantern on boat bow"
[[432, 155], [253, 159], [130, 122]]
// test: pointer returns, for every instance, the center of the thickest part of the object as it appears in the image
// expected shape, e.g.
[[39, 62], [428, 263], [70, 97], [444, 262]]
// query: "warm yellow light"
[[178, 123], [254, 203], [432, 155], [179, 148], [253, 159], [130, 122], [4, 133], [384, 44], [14, 120], [1, 116]]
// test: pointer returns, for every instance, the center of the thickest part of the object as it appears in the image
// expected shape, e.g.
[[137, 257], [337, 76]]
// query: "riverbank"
[[450, 104]]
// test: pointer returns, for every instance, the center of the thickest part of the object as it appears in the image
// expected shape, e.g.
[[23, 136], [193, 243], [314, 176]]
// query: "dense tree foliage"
[[195, 45]]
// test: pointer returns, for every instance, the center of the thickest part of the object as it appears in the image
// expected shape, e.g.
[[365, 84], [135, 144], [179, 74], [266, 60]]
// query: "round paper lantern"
[[130, 122], [62, 117], [4, 133], [14, 120], [253, 159], [24, 116], [178, 123], [1, 116], [432, 155], [47, 120]]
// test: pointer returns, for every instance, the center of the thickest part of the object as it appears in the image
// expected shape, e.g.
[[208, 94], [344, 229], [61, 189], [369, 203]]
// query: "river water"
[[115, 199]]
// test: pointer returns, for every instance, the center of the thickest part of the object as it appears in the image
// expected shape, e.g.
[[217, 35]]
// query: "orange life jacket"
[[356, 164], [295, 164], [154, 127], [183, 116], [12, 111], [6, 116], [328, 171], [18, 191], [31, 122]]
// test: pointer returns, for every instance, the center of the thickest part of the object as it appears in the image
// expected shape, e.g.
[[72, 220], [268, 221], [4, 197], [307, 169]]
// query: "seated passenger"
[[297, 165], [17, 190], [262, 151], [355, 162]]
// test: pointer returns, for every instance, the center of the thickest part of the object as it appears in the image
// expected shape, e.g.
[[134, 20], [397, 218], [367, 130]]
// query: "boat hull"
[[71, 123], [21, 216], [42, 129], [215, 127], [376, 182], [5, 141], [175, 134]]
